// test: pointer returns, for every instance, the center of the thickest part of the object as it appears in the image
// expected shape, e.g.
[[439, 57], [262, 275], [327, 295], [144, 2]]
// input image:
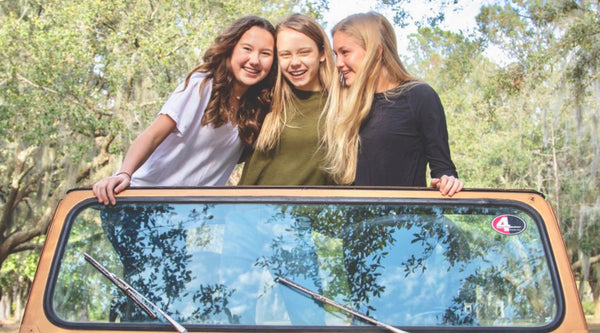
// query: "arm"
[[139, 151], [435, 134]]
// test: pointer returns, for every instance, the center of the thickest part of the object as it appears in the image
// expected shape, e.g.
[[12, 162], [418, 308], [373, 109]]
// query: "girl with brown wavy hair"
[[203, 128]]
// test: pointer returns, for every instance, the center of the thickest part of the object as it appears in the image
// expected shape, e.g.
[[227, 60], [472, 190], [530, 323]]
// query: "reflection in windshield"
[[216, 264]]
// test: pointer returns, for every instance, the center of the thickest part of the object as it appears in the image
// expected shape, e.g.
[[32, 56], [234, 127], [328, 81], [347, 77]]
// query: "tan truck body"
[[37, 319]]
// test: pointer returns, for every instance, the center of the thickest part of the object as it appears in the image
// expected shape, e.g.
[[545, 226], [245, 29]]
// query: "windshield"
[[216, 263]]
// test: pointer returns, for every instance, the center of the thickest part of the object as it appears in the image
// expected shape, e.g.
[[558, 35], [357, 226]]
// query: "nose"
[[339, 63], [295, 61], [253, 58]]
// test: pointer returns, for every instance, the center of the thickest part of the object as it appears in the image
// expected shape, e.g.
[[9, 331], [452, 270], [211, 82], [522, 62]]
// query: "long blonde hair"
[[282, 107], [347, 107]]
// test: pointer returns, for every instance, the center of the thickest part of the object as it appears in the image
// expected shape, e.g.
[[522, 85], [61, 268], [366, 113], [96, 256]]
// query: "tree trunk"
[[17, 300], [3, 307]]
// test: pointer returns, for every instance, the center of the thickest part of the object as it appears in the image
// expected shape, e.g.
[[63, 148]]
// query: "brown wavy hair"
[[255, 103]]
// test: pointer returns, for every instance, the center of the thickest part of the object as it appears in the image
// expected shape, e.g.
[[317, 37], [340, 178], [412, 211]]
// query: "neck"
[[384, 83], [311, 89], [238, 91]]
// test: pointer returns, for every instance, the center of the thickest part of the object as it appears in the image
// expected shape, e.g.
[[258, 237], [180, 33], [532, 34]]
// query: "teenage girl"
[[287, 150], [383, 126], [201, 131]]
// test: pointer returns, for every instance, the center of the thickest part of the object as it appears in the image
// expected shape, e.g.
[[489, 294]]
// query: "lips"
[[298, 73], [251, 70], [347, 75]]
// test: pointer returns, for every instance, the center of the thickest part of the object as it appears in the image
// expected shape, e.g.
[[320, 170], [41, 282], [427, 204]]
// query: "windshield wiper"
[[133, 294], [326, 300]]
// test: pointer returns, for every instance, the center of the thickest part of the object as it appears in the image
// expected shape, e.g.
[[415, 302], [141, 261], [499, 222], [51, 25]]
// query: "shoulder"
[[422, 89], [422, 95], [190, 88], [198, 76], [188, 98], [412, 91], [196, 79]]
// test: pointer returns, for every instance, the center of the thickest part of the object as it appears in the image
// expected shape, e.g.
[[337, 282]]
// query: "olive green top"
[[297, 159]]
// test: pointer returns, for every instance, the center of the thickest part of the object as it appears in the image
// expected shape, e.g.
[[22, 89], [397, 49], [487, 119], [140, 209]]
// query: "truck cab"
[[287, 259]]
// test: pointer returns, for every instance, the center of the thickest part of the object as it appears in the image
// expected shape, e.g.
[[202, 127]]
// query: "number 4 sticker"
[[509, 224]]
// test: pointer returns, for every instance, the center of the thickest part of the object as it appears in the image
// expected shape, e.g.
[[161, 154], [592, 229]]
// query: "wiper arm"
[[133, 294], [326, 300]]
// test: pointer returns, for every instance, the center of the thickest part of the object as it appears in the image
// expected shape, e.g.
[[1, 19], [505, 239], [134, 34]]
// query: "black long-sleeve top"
[[401, 134]]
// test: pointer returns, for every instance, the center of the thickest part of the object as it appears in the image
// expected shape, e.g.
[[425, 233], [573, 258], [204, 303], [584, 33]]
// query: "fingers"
[[448, 185], [455, 187], [121, 186], [105, 189], [99, 190]]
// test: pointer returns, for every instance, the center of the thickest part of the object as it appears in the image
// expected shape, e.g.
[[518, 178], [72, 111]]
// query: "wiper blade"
[[133, 294], [331, 302]]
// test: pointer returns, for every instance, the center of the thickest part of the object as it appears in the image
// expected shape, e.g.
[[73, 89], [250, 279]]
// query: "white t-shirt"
[[193, 155]]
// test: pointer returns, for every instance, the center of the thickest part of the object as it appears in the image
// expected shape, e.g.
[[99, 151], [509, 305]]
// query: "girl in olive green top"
[[287, 150]]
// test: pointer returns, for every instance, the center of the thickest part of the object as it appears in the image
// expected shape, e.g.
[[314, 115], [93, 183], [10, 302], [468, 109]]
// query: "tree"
[[78, 80], [569, 64], [531, 121], [581, 44]]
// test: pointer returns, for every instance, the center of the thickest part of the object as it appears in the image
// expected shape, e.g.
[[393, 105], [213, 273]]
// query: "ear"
[[321, 56]]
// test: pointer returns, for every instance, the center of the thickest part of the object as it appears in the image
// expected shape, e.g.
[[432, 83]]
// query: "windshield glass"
[[407, 265]]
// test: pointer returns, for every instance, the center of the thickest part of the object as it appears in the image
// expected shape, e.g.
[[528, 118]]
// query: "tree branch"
[[100, 160], [15, 239], [13, 197], [24, 79], [69, 96], [27, 247], [593, 260]]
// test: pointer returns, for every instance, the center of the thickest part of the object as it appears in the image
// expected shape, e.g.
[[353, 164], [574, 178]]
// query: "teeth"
[[251, 70], [297, 73]]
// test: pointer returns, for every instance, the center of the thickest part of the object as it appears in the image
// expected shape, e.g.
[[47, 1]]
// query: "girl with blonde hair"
[[200, 133], [287, 150], [383, 126]]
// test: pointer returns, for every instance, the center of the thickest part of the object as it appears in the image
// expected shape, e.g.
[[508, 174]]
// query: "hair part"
[[255, 103], [282, 107], [348, 106]]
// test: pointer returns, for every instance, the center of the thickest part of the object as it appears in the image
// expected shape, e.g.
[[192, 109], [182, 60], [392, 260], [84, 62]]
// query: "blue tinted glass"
[[217, 263]]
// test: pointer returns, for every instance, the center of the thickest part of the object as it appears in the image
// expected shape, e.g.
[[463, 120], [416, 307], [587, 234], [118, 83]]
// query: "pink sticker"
[[509, 224]]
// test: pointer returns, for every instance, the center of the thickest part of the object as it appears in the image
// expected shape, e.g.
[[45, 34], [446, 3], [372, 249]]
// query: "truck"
[[304, 259]]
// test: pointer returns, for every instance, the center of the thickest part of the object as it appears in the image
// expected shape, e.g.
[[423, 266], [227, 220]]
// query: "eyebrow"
[[298, 50], [254, 46]]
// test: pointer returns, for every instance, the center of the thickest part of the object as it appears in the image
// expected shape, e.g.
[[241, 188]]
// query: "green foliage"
[[448, 56], [582, 41], [435, 13], [588, 308], [530, 121], [18, 269], [78, 80]]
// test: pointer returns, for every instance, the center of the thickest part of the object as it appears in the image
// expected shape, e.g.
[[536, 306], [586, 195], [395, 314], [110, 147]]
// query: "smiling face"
[[299, 59], [252, 58], [349, 56]]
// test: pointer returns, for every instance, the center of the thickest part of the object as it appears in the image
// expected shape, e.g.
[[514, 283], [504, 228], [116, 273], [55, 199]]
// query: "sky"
[[456, 21]]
